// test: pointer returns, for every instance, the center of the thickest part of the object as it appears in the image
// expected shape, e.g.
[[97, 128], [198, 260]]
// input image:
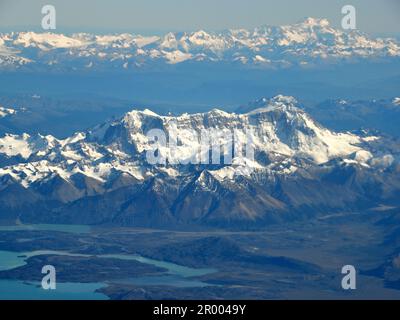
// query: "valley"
[[293, 260]]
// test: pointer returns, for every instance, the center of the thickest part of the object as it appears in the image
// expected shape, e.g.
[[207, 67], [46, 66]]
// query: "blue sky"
[[374, 16]]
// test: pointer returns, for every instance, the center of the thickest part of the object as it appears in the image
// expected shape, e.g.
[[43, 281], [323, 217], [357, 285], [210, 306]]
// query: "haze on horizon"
[[159, 16]]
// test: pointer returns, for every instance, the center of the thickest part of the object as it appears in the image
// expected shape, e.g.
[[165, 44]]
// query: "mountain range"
[[102, 176], [305, 44]]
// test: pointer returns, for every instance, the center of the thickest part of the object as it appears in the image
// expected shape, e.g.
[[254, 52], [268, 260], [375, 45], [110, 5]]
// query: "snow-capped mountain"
[[306, 43], [376, 114], [103, 175], [381, 115], [5, 112]]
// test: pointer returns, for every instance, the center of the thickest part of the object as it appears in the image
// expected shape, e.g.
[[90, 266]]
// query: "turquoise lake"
[[176, 275]]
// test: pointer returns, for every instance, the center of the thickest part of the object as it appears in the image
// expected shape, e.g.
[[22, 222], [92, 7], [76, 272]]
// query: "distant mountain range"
[[305, 44], [300, 169]]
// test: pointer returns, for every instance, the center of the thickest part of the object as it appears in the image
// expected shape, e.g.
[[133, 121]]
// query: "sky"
[[158, 16]]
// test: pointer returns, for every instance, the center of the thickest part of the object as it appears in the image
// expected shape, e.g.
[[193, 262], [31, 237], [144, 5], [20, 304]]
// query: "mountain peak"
[[46, 40], [315, 22], [284, 99], [267, 104]]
